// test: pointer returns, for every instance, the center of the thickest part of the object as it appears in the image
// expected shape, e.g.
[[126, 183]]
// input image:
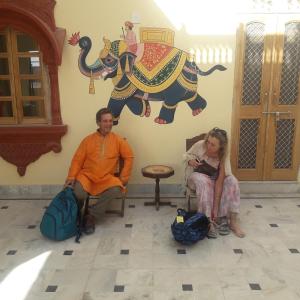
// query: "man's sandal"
[[88, 224]]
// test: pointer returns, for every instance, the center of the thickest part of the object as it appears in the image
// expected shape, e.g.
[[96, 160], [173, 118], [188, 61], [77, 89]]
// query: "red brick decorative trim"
[[37, 19], [24, 145], [21, 145], [42, 8]]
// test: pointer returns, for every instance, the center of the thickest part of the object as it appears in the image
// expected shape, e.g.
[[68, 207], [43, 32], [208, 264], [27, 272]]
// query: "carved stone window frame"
[[20, 144]]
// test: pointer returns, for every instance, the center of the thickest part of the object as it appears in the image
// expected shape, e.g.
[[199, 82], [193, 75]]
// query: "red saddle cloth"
[[153, 54], [159, 66]]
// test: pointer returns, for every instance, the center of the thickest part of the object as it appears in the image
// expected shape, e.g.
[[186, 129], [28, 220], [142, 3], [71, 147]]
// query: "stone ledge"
[[39, 192]]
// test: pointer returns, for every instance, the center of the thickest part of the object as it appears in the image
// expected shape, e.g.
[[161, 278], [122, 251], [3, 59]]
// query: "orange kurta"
[[96, 160]]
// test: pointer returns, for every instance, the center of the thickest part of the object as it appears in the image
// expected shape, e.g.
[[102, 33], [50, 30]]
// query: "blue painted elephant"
[[156, 72]]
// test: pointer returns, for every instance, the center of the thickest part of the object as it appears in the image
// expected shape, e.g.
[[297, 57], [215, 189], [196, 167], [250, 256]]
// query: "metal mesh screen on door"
[[248, 143], [254, 49], [285, 130], [290, 64]]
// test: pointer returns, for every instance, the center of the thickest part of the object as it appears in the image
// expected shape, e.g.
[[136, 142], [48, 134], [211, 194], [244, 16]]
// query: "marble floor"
[[135, 257]]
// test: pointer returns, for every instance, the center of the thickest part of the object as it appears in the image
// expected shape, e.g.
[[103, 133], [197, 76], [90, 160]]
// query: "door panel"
[[282, 159], [266, 109], [253, 73]]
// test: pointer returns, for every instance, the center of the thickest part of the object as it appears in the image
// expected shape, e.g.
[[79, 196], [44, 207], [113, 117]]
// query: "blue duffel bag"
[[61, 219], [189, 227]]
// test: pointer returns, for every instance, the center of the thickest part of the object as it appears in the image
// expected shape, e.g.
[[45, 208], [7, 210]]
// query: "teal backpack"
[[62, 217]]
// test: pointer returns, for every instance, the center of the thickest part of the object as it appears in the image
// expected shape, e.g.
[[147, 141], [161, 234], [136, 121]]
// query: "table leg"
[[157, 202], [157, 198]]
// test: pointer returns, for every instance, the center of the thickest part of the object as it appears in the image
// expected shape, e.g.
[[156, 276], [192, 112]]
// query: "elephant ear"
[[127, 60], [104, 52]]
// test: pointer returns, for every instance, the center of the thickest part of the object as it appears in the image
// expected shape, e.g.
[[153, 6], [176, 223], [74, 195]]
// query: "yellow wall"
[[152, 143]]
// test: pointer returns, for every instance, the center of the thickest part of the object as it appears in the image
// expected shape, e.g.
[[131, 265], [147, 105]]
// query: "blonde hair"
[[221, 136]]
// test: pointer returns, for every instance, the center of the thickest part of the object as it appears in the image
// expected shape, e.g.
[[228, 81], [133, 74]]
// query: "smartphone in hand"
[[200, 161]]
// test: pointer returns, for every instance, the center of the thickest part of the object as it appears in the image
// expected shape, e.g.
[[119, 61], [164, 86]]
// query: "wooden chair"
[[188, 144], [123, 196]]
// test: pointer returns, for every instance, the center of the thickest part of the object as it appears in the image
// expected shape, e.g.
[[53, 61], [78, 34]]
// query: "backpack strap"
[[80, 216]]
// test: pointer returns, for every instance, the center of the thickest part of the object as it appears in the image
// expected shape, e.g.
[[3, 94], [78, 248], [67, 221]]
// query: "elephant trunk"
[[94, 70]]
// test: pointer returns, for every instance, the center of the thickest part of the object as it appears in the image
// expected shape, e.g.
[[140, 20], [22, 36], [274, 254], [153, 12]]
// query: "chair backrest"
[[190, 142], [120, 167]]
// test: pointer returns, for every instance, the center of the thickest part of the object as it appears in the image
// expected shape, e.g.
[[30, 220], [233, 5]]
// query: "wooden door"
[[266, 109]]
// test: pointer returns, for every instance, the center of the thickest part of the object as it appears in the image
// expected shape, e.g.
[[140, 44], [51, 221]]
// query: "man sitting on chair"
[[94, 165]]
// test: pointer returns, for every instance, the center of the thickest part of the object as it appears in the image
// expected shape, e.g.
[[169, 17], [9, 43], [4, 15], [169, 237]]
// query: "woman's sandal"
[[224, 228], [212, 233]]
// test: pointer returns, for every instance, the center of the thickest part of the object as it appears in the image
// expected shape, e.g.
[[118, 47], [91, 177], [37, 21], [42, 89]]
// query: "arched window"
[[30, 53]]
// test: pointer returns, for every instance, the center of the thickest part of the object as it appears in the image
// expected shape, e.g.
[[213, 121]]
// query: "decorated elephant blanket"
[[158, 67]]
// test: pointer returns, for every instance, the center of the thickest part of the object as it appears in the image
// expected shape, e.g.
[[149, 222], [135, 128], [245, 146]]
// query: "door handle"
[[277, 113]]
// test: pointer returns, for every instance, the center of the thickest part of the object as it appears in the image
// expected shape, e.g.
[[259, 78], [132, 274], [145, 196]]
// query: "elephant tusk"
[[103, 74]]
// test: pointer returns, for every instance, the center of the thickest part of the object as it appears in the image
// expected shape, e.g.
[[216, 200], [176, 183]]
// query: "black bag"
[[189, 227], [207, 169]]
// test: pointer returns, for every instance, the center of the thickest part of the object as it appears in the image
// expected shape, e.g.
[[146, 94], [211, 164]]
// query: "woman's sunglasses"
[[219, 131]]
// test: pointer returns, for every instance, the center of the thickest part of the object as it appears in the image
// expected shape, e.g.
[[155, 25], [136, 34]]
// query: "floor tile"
[[294, 250], [254, 286], [238, 251], [51, 288], [187, 287], [138, 256], [181, 251], [119, 288]]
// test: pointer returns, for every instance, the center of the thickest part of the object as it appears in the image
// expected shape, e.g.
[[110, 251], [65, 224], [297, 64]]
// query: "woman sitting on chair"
[[208, 172]]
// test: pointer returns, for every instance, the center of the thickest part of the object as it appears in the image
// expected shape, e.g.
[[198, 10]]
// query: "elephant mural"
[[155, 72]]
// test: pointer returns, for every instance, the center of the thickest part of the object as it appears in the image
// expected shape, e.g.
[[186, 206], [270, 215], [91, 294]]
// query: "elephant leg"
[[166, 114], [171, 97], [196, 103], [148, 109], [116, 107], [139, 107], [136, 106]]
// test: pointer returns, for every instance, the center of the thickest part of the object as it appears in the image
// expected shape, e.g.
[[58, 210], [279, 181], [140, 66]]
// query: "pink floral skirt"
[[204, 187]]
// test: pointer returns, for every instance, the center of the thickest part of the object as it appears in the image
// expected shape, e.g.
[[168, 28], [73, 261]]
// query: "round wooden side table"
[[157, 172]]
